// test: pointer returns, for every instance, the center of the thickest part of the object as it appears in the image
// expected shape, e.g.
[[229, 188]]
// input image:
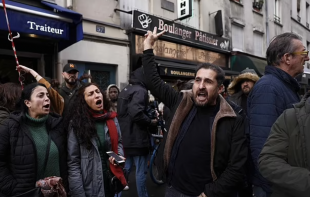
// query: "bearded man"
[[241, 86], [205, 151], [70, 86]]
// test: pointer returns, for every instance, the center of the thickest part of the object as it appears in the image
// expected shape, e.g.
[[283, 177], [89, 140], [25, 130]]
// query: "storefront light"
[[33, 35]]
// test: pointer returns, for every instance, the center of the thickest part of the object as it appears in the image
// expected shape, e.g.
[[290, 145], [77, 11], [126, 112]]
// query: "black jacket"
[[68, 95], [228, 141], [18, 159], [131, 108]]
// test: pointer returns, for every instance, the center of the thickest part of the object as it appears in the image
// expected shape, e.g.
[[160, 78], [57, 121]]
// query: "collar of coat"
[[181, 113]]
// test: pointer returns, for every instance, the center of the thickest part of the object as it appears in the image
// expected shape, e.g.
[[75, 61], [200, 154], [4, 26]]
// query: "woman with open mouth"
[[33, 148], [93, 131]]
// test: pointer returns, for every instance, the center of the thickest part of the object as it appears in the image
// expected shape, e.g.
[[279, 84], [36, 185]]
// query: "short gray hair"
[[280, 45]]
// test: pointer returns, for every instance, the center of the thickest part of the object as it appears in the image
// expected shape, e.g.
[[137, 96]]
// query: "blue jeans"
[[259, 192], [141, 172]]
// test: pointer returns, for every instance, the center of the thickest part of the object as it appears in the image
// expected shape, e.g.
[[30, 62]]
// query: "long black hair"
[[80, 117]]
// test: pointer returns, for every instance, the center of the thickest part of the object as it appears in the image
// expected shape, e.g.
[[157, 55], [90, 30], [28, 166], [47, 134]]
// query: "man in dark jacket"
[[205, 148], [284, 160], [70, 86], [276, 91], [132, 104]]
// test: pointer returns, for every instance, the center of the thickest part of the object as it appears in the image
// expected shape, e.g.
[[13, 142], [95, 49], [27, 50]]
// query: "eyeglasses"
[[305, 53]]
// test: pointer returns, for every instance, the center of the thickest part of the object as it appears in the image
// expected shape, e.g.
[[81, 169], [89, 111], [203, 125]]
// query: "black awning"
[[240, 62]]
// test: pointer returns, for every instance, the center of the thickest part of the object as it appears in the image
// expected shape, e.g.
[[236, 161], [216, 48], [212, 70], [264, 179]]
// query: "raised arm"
[[57, 102], [154, 83]]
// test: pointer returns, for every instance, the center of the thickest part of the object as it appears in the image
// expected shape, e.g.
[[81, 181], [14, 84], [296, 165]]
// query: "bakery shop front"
[[180, 49]]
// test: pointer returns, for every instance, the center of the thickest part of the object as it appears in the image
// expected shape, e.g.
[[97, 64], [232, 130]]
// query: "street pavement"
[[153, 189]]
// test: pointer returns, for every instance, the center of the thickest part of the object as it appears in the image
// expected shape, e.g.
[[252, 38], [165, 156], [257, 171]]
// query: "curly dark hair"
[[80, 117], [10, 95]]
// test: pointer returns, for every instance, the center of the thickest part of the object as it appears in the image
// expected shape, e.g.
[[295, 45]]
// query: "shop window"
[[237, 37], [258, 44], [277, 11]]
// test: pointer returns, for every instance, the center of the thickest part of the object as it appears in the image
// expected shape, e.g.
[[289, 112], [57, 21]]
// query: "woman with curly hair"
[[93, 131]]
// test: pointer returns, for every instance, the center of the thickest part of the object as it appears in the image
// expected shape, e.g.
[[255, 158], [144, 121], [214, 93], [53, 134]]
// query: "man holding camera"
[[134, 122]]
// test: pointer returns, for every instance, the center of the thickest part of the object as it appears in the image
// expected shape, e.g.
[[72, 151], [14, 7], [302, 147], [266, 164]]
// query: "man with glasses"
[[275, 92]]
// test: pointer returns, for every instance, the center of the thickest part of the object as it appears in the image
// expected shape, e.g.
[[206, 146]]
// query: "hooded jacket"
[[285, 158], [132, 117], [234, 88], [114, 104]]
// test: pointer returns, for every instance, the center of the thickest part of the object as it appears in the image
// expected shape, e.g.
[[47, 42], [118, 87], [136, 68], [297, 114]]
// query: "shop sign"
[[176, 72], [184, 8], [144, 21], [182, 52], [33, 24]]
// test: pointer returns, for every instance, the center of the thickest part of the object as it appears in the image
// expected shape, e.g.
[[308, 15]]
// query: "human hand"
[[202, 195], [151, 37], [24, 68]]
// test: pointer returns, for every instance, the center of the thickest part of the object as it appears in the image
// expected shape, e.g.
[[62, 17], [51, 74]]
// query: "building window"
[[277, 11], [237, 37], [258, 44], [298, 10], [258, 5]]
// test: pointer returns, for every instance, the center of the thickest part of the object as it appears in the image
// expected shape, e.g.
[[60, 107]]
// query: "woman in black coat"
[[32, 146]]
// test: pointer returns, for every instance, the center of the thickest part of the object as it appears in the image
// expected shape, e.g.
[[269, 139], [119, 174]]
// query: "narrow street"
[[153, 189]]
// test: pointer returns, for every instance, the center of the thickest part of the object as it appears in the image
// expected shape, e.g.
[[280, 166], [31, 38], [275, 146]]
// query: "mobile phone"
[[118, 160]]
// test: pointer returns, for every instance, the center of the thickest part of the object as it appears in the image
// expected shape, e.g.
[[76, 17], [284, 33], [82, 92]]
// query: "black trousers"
[[171, 192]]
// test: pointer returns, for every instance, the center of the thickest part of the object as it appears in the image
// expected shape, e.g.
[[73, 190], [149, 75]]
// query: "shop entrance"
[[8, 71]]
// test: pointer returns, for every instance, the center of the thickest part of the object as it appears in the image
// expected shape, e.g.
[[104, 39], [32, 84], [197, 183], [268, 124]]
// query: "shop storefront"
[[44, 28], [180, 49]]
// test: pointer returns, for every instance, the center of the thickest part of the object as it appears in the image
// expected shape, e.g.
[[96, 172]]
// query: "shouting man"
[[204, 151]]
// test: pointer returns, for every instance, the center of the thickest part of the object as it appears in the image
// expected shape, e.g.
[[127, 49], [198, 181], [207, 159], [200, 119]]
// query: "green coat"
[[285, 158]]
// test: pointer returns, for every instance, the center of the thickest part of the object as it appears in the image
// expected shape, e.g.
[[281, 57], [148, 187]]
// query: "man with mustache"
[[70, 86], [275, 92], [204, 150], [241, 86]]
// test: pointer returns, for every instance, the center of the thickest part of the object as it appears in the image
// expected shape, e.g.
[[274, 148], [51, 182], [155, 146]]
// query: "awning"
[[240, 62], [54, 22], [175, 69]]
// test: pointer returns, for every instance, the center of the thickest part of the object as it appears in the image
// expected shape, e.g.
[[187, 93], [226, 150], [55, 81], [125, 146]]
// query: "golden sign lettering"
[[183, 52]]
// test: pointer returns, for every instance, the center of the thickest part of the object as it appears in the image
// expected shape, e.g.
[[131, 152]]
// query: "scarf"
[[108, 118]]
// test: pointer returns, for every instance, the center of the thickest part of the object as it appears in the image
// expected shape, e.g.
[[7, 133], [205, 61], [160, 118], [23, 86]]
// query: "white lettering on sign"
[[44, 28]]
